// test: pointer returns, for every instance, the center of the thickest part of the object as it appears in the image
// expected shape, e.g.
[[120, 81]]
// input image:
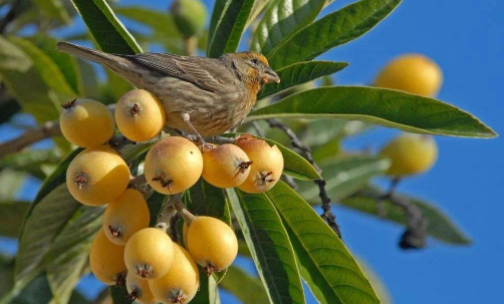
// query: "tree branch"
[[327, 213], [48, 129]]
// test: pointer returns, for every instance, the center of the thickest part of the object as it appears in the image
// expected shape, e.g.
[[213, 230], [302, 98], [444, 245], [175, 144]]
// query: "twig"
[[257, 128], [290, 181], [327, 213], [164, 218], [49, 129]]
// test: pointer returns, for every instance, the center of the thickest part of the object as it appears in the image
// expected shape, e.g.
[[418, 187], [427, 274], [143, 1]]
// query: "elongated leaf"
[[439, 225], [247, 289], [11, 217], [66, 63], [46, 67], [389, 108], [326, 265], [164, 29], [259, 6], [344, 176], [208, 292], [68, 255], [218, 11], [282, 19], [334, 29], [54, 9], [45, 222], [11, 182], [294, 164], [17, 70], [107, 30], [229, 28], [300, 73], [269, 245]]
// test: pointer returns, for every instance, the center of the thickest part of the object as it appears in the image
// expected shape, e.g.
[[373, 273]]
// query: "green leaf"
[[294, 164], [248, 289], [332, 30], [344, 176], [107, 30], [30, 161], [42, 226], [208, 292], [54, 9], [389, 108], [327, 266], [163, 27], [66, 63], [11, 182], [439, 225], [282, 19], [46, 67], [11, 218], [120, 295], [300, 73], [218, 11], [229, 28], [269, 244], [17, 70], [67, 258]]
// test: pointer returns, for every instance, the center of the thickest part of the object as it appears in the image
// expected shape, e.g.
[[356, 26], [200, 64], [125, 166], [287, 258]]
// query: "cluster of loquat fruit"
[[126, 250]]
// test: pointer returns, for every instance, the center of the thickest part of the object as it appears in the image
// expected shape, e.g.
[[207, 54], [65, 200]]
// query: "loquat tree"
[[223, 155]]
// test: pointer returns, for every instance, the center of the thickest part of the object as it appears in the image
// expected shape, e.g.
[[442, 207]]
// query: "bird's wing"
[[206, 73]]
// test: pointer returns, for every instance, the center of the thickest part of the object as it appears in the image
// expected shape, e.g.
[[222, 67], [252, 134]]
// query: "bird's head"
[[254, 69]]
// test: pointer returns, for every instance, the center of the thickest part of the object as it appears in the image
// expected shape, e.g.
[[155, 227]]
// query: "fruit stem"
[[137, 182], [184, 213], [164, 218]]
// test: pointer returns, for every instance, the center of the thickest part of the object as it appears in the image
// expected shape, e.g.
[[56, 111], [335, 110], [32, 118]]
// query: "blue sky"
[[465, 38]]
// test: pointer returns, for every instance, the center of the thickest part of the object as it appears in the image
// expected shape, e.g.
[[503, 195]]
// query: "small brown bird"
[[203, 96]]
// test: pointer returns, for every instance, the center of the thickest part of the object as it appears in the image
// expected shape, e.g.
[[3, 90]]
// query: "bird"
[[201, 96]]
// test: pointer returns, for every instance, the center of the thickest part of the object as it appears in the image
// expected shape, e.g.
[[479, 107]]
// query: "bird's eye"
[[255, 61]]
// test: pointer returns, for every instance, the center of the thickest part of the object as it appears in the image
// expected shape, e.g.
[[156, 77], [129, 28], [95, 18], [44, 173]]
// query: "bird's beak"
[[271, 76]]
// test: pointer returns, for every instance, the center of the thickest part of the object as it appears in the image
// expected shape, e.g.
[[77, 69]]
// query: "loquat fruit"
[[413, 73], [139, 115], [149, 253], [97, 176], [106, 260], [212, 243], [410, 154], [139, 290], [173, 165], [125, 216], [267, 164], [225, 166], [86, 123], [181, 282]]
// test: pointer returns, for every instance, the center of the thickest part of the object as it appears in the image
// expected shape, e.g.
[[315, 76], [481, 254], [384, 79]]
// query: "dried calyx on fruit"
[[268, 164], [225, 166], [97, 176]]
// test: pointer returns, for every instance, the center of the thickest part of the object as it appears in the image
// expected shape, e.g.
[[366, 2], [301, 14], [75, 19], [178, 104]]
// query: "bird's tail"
[[89, 54]]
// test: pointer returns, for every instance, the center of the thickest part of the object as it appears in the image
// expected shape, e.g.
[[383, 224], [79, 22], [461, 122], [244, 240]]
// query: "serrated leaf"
[[54, 9], [439, 225], [108, 32], [269, 245], [11, 218], [248, 289], [327, 266], [332, 30], [299, 73], [68, 255], [389, 108], [230, 28], [282, 19], [344, 176]]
